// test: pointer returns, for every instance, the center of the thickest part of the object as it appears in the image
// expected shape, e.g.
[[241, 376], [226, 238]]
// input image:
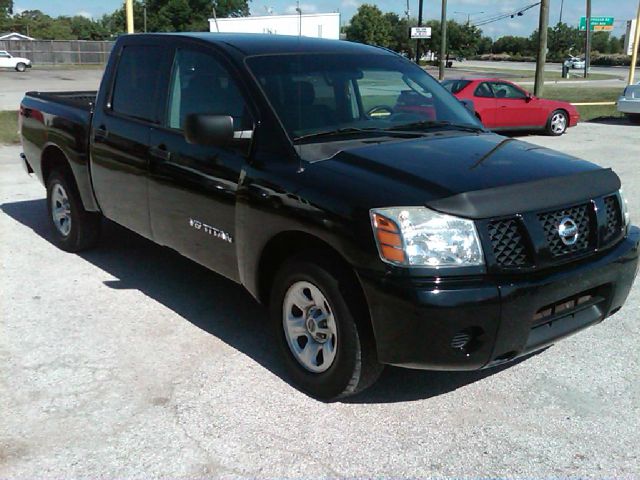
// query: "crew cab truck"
[[347, 191]]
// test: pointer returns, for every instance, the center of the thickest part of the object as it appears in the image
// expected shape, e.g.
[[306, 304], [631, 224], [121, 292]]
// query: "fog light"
[[460, 340]]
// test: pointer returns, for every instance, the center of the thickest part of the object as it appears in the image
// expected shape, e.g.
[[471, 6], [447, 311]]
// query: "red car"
[[502, 105]]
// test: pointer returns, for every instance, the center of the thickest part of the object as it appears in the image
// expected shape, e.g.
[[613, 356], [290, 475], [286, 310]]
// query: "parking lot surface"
[[131, 361], [13, 84]]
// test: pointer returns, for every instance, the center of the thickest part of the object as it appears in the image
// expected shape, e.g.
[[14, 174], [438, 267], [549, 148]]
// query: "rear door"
[[120, 135], [192, 190], [485, 105]]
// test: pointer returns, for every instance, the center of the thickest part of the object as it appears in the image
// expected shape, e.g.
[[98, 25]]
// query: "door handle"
[[101, 133], [160, 152]]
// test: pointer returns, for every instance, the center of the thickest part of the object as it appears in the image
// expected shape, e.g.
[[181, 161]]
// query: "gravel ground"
[[131, 361]]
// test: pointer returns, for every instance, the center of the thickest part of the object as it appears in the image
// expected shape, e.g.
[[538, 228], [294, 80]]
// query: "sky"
[[572, 10]]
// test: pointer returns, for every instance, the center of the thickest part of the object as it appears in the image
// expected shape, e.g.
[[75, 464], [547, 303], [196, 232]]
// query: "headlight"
[[625, 208], [417, 236]]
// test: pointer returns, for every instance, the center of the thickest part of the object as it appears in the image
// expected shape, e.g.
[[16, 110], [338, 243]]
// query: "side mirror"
[[207, 129], [468, 104], [528, 98]]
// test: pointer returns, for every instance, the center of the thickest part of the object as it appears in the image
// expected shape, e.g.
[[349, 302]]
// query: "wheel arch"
[[289, 244], [53, 157]]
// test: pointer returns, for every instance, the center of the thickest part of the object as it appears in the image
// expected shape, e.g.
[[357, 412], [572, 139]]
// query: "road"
[[131, 361], [621, 72], [13, 84]]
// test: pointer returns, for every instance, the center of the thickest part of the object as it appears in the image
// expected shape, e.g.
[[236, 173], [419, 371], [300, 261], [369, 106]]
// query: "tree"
[[485, 45], [6, 8], [174, 15], [370, 26], [400, 39]]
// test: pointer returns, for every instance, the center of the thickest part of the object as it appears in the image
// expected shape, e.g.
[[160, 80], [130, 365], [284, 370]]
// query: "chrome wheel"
[[61, 209], [309, 327], [558, 123]]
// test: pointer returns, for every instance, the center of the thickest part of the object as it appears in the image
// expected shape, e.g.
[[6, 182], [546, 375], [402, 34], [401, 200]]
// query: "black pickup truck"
[[347, 191]]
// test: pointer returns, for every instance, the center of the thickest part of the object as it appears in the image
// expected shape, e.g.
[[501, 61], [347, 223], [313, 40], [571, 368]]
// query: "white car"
[[576, 62], [629, 102], [9, 61]]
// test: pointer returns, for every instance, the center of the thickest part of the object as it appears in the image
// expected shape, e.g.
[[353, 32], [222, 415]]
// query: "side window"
[[137, 83], [4, 55], [483, 90], [199, 84], [504, 90]]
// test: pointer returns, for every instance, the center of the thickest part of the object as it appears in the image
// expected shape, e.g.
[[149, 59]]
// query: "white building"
[[319, 25]]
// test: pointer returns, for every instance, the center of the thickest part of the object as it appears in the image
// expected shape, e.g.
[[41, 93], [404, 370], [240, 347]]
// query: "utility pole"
[[144, 16], [443, 39], [129, 9], [420, 4], [587, 42], [543, 25], [561, 7], [634, 54]]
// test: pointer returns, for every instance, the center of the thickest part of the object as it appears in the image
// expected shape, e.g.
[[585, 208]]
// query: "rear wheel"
[[74, 229], [328, 349], [557, 123], [21, 67]]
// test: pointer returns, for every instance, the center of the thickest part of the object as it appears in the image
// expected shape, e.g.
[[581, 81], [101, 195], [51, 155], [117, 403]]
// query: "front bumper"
[[420, 323], [628, 105]]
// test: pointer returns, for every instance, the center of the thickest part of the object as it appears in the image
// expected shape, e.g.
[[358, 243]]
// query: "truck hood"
[[427, 170]]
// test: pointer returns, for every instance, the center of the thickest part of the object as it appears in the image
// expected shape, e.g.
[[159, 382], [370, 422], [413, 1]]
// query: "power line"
[[495, 18]]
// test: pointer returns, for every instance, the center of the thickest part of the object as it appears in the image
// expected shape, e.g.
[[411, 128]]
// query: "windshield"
[[315, 94]]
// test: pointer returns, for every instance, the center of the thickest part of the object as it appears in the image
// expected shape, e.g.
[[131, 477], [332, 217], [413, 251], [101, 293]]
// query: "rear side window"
[[137, 83], [455, 86]]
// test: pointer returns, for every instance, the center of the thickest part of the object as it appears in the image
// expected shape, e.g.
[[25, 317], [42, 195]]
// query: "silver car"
[[629, 102]]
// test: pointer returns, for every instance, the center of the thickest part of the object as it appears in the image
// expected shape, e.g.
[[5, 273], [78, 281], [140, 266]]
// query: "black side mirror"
[[207, 129], [468, 104], [528, 98]]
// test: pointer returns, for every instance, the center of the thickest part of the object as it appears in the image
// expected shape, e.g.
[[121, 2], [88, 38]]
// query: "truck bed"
[[81, 99]]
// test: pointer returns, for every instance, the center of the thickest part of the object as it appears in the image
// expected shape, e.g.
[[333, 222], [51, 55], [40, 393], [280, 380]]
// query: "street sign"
[[420, 32], [598, 24]]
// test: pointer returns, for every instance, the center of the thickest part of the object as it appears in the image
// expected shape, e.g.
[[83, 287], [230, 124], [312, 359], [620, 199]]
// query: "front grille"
[[550, 222], [508, 243], [612, 217]]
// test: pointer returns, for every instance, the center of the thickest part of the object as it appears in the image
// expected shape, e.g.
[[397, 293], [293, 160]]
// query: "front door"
[[192, 189], [514, 108]]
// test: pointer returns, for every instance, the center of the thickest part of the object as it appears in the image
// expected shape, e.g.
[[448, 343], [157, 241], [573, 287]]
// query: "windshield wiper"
[[437, 124], [339, 131]]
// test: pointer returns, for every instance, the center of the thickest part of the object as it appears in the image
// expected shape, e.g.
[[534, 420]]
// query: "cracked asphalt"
[[129, 361]]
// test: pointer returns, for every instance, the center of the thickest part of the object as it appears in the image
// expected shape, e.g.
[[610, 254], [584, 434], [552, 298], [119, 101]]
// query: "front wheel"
[[557, 123], [21, 67], [74, 228], [328, 348]]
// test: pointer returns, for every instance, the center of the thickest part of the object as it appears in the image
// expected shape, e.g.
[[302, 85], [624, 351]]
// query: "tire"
[[634, 118], [21, 67], [348, 363], [557, 123], [74, 229]]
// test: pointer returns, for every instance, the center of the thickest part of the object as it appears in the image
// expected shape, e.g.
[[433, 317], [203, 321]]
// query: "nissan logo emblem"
[[568, 231]]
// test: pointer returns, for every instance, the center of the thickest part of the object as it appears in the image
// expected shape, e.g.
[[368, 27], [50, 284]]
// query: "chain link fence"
[[60, 52]]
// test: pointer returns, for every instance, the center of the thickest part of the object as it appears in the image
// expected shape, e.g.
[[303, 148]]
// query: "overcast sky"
[[573, 9]]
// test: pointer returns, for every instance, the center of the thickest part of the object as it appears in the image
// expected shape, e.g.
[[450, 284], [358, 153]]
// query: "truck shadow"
[[219, 306]]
